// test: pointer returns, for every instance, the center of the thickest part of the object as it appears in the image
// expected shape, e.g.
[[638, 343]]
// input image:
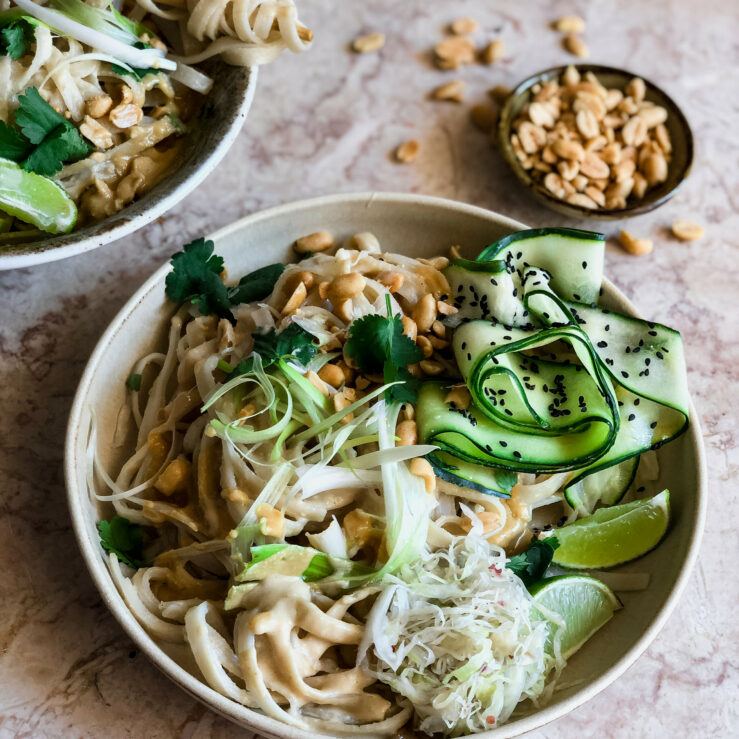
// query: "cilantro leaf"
[[531, 565], [35, 117], [63, 144], [13, 145], [133, 382], [378, 344], [506, 479], [138, 73], [293, 341], [195, 276], [257, 285], [16, 38], [124, 539]]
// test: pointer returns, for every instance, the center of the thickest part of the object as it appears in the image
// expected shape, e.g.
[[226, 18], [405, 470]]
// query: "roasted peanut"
[[421, 467], [407, 432], [425, 346], [313, 243], [299, 294], [346, 286], [424, 313], [331, 375], [634, 245]]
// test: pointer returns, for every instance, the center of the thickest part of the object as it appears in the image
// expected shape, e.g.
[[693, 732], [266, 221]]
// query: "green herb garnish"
[[46, 140], [257, 285], [124, 539], [195, 277], [531, 565], [378, 345], [16, 38], [293, 342], [133, 382]]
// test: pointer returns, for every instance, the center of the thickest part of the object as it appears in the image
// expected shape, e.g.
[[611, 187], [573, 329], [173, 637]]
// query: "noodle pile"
[[294, 650]]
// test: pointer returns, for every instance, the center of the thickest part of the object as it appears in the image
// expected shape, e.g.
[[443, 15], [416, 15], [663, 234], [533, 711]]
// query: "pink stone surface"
[[327, 122]]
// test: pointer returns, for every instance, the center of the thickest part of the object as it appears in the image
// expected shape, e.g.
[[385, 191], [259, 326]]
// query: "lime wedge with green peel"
[[583, 603], [612, 536], [35, 199]]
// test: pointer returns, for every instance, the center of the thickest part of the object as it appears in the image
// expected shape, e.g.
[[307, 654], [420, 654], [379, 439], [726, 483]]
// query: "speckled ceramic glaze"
[[418, 226], [211, 138], [676, 123]]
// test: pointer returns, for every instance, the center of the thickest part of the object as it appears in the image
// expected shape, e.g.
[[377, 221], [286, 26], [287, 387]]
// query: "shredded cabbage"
[[455, 633]]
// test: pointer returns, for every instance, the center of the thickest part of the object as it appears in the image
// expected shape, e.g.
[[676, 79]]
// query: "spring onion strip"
[[394, 454], [141, 58], [336, 417]]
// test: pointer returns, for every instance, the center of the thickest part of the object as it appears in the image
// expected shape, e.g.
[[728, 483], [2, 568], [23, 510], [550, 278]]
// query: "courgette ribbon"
[[556, 384]]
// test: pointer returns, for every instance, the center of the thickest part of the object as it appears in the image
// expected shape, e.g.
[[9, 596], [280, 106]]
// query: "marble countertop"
[[324, 123]]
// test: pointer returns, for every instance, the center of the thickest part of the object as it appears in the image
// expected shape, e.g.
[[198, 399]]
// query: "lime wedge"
[[35, 199], [612, 536], [583, 602]]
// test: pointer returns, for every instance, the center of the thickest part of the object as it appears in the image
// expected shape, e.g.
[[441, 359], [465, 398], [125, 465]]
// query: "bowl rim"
[[200, 690], [645, 206], [101, 235]]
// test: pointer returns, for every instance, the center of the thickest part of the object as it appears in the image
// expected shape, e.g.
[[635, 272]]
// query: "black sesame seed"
[[602, 344], [517, 455], [576, 296], [584, 265], [631, 416], [503, 443], [653, 425], [624, 374]]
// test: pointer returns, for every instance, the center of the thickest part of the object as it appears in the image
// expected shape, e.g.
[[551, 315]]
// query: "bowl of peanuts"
[[595, 142]]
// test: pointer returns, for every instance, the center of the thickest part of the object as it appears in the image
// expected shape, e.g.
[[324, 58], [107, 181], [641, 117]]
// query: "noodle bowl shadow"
[[417, 226], [230, 99]]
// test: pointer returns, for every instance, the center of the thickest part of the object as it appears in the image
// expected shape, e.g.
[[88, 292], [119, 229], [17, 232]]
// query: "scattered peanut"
[[634, 245], [499, 92], [687, 230], [369, 42], [450, 91], [407, 432], [331, 374], [493, 52], [342, 399], [430, 367], [483, 117], [575, 45], [409, 327], [95, 132], [407, 151], [460, 396], [421, 467], [126, 115], [424, 313], [346, 286], [271, 521], [313, 243], [454, 51], [295, 300], [425, 345], [461, 26], [317, 382], [98, 106], [569, 24], [364, 241]]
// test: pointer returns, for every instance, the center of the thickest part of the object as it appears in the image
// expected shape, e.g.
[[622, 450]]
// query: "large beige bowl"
[[413, 225]]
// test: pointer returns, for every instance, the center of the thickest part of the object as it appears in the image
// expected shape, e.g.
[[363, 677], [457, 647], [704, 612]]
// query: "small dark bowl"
[[610, 77]]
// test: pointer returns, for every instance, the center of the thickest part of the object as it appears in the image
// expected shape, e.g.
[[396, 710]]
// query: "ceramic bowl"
[[676, 123], [418, 226], [231, 99]]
